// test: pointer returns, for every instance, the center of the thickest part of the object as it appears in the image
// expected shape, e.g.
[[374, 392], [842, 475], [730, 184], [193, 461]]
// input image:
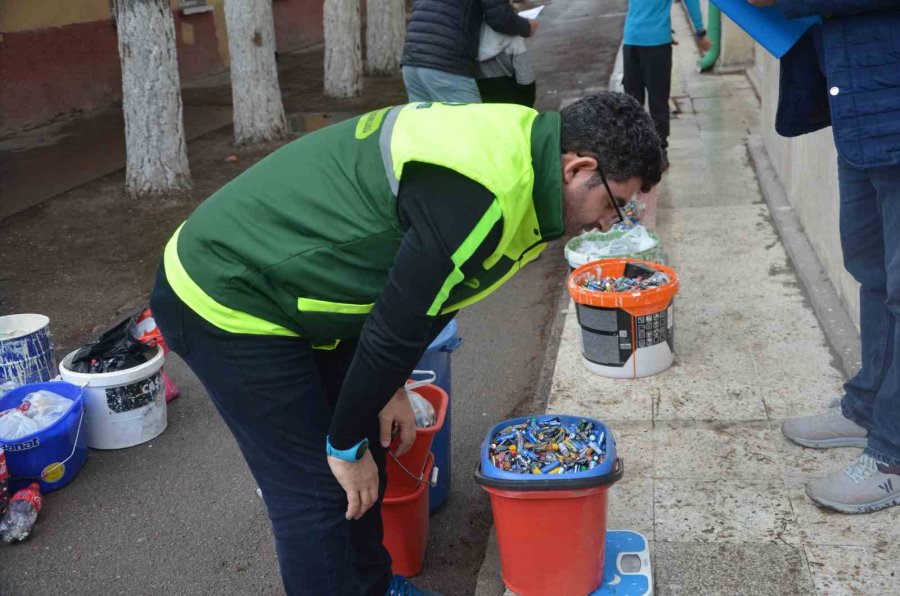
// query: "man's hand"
[[359, 480], [534, 25], [762, 3], [704, 44], [397, 417]]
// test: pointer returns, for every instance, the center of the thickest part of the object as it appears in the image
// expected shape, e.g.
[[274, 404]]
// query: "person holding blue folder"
[[647, 55], [845, 73]]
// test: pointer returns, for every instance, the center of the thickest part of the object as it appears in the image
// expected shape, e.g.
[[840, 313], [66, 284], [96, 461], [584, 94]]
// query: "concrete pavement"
[[710, 480]]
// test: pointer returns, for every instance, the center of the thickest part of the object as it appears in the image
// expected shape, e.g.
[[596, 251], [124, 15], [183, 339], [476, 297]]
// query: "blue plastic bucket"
[[437, 359], [490, 471], [26, 349], [53, 455]]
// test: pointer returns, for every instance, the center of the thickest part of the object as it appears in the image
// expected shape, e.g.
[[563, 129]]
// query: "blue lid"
[[489, 470], [446, 341]]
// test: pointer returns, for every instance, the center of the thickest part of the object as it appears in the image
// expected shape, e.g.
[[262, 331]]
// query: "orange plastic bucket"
[[551, 542], [405, 520], [405, 474], [625, 334]]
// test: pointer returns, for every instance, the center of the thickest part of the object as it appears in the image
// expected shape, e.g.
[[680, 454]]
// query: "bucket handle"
[[419, 478], [47, 471], [432, 377]]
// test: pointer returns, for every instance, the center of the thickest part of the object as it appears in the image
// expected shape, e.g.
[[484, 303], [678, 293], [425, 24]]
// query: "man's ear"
[[573, 163]]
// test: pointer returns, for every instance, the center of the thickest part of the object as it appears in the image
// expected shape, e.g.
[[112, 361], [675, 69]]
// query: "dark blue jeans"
[[276, 394], [870, 238]]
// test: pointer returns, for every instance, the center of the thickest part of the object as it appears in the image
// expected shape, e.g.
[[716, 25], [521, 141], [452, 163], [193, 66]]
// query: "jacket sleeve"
[[451, 229], [794, 9], [693, 7], [501, 17]]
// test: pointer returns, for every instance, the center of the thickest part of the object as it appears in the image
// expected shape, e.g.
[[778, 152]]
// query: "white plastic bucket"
[[26, 349], [122, 408]]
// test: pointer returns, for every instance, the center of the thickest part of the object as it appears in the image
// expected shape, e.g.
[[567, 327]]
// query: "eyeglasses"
[[620, 217]]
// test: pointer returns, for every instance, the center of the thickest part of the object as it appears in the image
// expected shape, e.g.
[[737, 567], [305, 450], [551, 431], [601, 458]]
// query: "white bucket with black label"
[[122, 408]]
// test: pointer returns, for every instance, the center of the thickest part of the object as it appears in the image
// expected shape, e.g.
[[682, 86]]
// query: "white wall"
[[807, 168]]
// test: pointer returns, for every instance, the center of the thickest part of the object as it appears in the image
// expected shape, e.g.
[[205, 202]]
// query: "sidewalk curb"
[[840, 332]]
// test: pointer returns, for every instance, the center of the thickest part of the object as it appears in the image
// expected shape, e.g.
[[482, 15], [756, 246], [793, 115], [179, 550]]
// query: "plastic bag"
[[14, 424], [424, 411], [636, 243], [116, 349], [7, 387], [45, 407], [612, 244]]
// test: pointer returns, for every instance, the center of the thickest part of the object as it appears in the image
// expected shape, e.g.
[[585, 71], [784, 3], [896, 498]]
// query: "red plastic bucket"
[[405, 473], [405, 520], [551, 542]]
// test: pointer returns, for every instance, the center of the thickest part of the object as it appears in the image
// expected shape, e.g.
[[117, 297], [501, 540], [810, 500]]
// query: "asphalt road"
[[179, 515]]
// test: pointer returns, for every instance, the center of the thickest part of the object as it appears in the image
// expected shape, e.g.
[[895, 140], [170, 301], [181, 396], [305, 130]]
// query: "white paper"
[[532, 13]]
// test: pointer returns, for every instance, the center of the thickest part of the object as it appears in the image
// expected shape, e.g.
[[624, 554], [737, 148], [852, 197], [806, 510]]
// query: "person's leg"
[[870, 238], [366, 534], [415, 90], [429, 84], [449, 87], [862, 242], [270, 393], [498, 90], [884, 440], [632, 77], [656, 64]]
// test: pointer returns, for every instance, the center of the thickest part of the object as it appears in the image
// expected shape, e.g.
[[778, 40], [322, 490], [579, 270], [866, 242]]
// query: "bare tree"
[[385, 32], [343, 54], [156, 152], [258, 111]]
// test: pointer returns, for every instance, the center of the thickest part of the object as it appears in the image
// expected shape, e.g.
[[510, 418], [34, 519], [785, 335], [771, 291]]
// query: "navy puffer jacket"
[[443, 34], [858, 48]]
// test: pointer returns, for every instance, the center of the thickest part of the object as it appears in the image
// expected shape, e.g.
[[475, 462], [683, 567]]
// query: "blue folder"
[[771, 29]]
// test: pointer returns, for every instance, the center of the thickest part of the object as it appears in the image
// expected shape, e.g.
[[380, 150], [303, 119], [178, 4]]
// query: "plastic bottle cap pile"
[[548, 446]]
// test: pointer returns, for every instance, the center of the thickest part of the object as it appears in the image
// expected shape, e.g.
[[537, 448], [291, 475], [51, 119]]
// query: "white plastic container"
[[122, 408]]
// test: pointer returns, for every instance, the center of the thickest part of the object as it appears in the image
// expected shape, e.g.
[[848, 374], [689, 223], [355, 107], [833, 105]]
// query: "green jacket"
[[301, 243]]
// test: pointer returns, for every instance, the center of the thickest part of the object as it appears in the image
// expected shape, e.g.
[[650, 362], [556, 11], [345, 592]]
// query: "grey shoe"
[[824, 431], [862, 487]]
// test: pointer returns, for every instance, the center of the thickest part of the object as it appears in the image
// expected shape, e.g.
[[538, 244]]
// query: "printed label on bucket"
[[54, 472], [126, 398], [29, 444]]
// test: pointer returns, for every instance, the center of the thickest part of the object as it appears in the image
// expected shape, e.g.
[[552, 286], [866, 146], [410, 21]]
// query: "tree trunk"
[[343, 54], [385, 32], [151, 99], [258, 111]]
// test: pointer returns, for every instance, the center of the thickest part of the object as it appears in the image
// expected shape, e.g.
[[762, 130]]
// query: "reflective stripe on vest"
[[463, 138], [227, 319]]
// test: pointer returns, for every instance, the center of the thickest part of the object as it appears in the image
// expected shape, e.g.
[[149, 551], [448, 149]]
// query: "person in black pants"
[[647, 56]]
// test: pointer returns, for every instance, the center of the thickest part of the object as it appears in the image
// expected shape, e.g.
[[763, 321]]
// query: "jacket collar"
[[547, 163]]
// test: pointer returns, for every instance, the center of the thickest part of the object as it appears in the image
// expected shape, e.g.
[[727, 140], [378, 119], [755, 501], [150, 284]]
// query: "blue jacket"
[[649, 22], [846, 74]]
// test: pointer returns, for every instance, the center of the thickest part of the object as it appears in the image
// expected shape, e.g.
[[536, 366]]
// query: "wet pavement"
[[709, 478]]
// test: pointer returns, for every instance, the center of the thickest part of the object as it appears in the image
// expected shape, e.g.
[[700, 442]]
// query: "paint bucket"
[[26, 349], [625, 335], [405, 521], [122, 408], [53, 455], [437, 358], [551, 529]]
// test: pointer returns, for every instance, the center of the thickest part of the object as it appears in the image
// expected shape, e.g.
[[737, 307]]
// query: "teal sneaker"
[[400, 586]]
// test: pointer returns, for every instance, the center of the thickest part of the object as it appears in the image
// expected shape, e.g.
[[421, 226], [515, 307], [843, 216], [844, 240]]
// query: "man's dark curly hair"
[[614, 128]]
